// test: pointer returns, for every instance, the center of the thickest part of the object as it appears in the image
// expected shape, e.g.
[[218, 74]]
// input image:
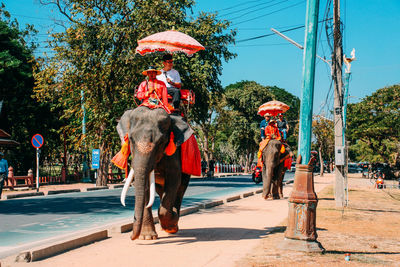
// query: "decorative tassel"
[[121, 159], [283, 149], [171, 147]]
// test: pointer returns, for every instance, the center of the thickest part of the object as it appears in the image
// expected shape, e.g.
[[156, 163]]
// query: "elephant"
[[273, 169], [149, 132]]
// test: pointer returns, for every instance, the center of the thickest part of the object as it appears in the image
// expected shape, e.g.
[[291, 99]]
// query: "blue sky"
[[372, 27]]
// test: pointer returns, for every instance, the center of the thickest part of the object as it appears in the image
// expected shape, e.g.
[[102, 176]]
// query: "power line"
[[241, 4], [30, 17], [269, 34], [301, 2], [250, 7], [252, 11]]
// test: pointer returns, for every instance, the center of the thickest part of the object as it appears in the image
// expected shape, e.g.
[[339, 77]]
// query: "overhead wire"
[[241, 4], [244, 9], [270, 13], [256, 10]]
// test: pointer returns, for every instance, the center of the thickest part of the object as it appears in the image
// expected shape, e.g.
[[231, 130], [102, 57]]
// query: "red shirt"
[[158, 94], [272, 132]]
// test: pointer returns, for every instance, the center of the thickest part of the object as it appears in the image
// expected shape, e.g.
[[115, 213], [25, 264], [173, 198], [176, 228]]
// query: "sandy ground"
[[368, 229], [220, 236]]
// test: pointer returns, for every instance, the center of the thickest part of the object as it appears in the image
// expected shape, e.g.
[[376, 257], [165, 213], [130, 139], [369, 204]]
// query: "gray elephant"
[[273, 168], [149, 132]]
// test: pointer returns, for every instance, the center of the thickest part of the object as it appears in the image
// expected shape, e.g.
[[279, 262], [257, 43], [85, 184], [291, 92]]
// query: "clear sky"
[[372, 27]]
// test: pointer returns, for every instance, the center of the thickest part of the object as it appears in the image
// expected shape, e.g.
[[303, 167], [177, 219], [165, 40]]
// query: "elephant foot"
[[152, 236], [266, 197], [276, 197], [172, 230]]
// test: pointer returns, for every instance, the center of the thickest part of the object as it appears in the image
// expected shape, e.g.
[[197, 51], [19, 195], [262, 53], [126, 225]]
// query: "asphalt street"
[[32, 219]]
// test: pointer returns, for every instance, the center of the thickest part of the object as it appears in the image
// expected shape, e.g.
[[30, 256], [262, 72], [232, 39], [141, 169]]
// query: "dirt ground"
[[368, 229]]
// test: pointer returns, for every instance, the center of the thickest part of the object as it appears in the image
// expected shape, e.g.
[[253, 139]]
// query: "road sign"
[[95, 158], [37, 141]]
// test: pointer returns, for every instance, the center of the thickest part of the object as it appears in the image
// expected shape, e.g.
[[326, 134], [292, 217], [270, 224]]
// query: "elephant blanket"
[[190, 153]]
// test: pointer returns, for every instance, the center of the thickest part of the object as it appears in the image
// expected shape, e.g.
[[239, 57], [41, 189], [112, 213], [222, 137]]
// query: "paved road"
[[37, 218]]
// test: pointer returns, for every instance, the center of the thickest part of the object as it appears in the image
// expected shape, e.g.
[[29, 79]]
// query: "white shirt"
[[172, 74]]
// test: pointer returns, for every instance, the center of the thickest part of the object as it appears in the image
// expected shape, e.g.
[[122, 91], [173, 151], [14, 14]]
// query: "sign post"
[[95, 161], [37, 142]]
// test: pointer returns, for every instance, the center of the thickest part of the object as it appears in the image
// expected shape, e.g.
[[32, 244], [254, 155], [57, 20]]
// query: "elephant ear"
[[181, 129], [124, 124]]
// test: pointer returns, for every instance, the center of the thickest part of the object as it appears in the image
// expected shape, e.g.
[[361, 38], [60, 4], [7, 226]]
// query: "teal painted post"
[[307, 92]]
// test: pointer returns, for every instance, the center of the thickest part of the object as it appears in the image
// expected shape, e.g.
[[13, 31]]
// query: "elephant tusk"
[[152, 190], [126, 186]]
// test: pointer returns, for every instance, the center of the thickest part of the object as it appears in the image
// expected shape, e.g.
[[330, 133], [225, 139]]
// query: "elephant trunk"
[[141, 186]]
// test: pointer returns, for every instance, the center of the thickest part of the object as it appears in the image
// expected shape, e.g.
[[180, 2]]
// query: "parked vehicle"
[[257, 175], [354, 168]]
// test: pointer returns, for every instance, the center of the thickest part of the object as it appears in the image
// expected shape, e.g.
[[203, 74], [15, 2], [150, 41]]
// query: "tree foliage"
[[239, 122], [96, 56], [374, 126], [21, 116], [323, 131]]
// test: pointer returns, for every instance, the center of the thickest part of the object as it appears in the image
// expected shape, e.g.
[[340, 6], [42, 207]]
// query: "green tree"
[[96, 55], [323, 131], [374, 126], [238, 115], [20, 115]]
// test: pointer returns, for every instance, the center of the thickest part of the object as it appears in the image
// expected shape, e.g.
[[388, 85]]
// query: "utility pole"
[[301, 232], [337, 62]]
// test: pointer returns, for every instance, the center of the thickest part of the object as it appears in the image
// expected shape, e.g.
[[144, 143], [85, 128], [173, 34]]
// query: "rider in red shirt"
[[153, 92]]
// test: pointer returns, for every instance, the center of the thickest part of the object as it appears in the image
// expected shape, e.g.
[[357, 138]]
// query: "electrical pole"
[[301, 232], [337, 62]]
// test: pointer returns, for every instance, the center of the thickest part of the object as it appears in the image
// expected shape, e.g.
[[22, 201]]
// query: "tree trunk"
[[321, 162], [102, 172]]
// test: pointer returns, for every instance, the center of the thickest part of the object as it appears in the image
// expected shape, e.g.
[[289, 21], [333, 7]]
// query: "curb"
[[46, 251], [55, 192], [96, 188], [24, 195], [248, 194]]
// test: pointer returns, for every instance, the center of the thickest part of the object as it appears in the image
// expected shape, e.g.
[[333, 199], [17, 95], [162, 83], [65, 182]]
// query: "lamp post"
[[85, 167], [301, 233]]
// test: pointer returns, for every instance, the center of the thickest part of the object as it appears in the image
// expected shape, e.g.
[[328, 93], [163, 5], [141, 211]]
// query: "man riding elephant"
[[164, 155]]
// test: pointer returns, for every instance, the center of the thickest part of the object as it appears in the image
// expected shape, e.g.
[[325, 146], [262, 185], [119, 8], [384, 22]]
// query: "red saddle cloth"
[[190, 157]]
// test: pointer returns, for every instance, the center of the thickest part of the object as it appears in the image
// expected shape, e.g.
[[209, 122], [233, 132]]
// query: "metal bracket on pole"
[[297, 44]]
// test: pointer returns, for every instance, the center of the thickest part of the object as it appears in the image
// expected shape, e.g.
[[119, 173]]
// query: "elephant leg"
[[280, 184], [148, 231], [168, 213], [181, 192], [275, 193]]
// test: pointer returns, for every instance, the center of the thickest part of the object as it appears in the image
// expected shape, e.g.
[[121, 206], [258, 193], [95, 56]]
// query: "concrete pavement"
[[209, 237]]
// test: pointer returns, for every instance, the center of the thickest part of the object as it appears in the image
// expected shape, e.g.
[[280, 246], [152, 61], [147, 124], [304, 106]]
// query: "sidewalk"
[[211, 237]]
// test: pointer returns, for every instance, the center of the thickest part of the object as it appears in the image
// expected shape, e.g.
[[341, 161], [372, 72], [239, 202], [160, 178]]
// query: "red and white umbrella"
[[273, 108], [171, 41]]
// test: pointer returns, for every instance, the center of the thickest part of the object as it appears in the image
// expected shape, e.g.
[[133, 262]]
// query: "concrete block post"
[[11, 180]]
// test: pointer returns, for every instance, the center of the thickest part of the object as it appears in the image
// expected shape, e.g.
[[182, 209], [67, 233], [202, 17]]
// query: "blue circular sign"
[[37, 141]]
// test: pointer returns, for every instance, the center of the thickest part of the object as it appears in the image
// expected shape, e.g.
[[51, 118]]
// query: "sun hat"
[[151, 68]]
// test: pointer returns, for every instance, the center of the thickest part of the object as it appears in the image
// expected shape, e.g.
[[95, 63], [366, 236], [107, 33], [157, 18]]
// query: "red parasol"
[[171, 41], [273, 108]]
